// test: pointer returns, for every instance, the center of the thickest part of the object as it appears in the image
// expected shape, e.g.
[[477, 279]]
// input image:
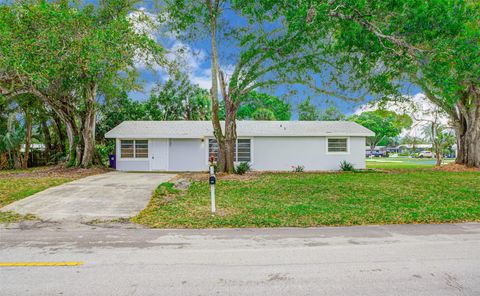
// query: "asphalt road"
[[374, 260]]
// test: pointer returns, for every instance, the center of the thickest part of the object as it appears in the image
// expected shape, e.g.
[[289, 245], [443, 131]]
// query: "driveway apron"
[[100, 197]]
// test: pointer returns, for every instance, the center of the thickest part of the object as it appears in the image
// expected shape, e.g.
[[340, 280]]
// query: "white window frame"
[[337, 152], [207, 155], [119, 152]]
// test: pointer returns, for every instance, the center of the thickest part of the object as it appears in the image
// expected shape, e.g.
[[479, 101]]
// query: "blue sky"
[[196, 62]]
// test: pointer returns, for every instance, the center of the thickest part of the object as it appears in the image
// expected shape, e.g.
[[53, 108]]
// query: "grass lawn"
[[18, 184], [402, 163], [315, 199]]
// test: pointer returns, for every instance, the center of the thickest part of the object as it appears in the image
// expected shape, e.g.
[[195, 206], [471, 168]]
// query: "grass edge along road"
[[319, 199]]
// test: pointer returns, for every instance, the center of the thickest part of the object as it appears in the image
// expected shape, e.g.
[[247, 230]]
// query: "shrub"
[[298, 168], [346, 166], [242, 168], [215, 168], [103, 152]]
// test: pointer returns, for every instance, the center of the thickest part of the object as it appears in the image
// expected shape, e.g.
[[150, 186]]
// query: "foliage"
[[331, 113], [447, 140], [104, 152], [316, 199], [173, 100], [382, 44], [307, 111], [298, 169], [178, 99], [115, 111], [68, 54], [262, 106], [442, 138], [385, 124], [346, 166], [242, 168], [267, 54], [263, 114]]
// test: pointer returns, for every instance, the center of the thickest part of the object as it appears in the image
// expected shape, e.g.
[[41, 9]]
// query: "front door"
[[158, 155]]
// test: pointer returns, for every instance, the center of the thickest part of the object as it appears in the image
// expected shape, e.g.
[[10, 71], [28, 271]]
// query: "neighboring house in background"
[[383, 151], [37, 154], [415, 148], [266, 145]]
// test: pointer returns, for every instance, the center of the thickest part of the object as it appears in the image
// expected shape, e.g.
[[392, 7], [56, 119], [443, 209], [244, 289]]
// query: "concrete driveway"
[[104, 197]]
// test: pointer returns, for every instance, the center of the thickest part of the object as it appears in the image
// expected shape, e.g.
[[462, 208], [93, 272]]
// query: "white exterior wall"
[[268, 154], [187, 155], [282, 153], [131, 164]]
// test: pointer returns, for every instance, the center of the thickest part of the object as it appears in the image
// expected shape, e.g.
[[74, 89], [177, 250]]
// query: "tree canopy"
[[385, 124], [178, 100], [307, 111], [262, 106], [68, 55], [383, 44]]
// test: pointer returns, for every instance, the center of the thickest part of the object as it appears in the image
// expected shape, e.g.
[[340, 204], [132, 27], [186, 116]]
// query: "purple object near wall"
[[113, 162]]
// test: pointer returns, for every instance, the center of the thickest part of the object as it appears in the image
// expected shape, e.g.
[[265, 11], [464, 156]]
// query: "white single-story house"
[[266, 145]]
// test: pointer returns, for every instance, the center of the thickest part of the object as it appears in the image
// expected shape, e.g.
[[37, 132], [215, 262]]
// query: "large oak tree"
[[266, 53], [433, 44], [69, 55]]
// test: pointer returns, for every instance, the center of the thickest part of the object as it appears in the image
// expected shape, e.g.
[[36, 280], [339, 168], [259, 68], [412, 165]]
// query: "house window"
[[212, 149], [141, 148], [337, 145], [134, 148], [126, 149], [243, 152]]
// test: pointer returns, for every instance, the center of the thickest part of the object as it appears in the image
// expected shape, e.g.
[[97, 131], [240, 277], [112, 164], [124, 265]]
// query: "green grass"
[[402, 163], [13, 189], [316, 199]]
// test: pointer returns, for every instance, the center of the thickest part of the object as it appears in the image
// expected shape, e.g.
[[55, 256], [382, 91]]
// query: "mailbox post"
[[212, 181]]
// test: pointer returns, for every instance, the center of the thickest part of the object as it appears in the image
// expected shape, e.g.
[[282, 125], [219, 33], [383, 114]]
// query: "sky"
[[195, 60]]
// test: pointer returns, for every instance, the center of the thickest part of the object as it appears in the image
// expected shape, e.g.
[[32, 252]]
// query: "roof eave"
[[132, 136]]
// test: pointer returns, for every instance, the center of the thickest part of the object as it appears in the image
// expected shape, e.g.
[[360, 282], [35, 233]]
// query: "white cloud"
[[203, 79], [145, 22], [418, 107], [190, 60]]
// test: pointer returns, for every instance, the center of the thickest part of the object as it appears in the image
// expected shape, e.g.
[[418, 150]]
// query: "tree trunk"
[[47, 139], [438, 157], [28, 138], [467, 128], [230, 136], [74, 152], [60, 145], [17, 161], [217, 128], [435, 142], [460, 127], [88, 127], [372, 148], [67, 114]]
